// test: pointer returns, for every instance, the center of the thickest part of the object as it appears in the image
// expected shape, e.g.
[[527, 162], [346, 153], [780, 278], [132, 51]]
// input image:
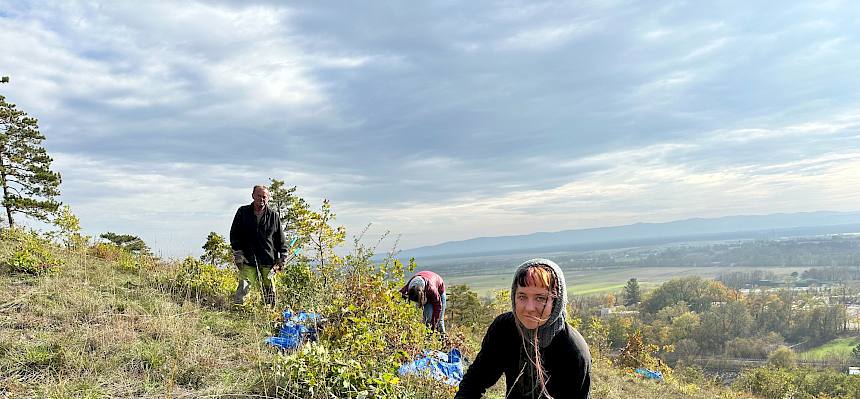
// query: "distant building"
[[616, 311]]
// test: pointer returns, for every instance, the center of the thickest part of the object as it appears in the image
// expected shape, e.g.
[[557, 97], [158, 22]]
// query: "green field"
[[599, 280], [839, 348]]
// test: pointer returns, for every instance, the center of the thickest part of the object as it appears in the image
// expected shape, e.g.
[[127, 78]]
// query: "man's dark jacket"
[[261, 243], [567, 362]]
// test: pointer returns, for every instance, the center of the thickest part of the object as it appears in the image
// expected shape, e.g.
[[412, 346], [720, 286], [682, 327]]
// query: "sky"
[[439, 121]]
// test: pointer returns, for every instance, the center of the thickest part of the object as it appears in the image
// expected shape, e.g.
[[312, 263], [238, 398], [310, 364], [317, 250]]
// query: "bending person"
[[427, 290], [540, 354]]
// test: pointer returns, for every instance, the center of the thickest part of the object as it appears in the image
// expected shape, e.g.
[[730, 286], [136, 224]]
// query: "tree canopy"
[[29, 185], [131, 243], [216, 250], [632, 294]]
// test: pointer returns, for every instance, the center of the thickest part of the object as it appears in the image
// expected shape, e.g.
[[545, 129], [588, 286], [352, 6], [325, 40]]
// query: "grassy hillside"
[[131, 327], [839, 348], [93, 330]]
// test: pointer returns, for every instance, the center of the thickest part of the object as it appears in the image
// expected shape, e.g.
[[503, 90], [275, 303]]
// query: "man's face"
[[261, 198]]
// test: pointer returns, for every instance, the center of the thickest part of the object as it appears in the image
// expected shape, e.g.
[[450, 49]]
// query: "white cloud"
[[547, 37], [184, 201], [707, 49], [840, 124], [398, 117]]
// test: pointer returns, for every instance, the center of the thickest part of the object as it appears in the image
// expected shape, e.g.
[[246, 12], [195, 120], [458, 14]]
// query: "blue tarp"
[[645, 373], [445, 367], [297, 328]]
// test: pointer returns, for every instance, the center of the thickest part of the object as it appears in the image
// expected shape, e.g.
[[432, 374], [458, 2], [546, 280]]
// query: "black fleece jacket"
[[567, 362], [262, 243]]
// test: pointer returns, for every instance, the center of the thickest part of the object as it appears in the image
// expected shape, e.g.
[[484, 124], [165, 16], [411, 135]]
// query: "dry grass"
[[91, 330]]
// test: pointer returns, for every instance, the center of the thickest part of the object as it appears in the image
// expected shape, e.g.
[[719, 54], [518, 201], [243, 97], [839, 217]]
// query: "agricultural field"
[[600, 280], [836, 349]]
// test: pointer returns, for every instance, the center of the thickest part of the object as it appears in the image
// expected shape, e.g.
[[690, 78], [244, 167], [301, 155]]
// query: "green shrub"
[[782, 357], [31, 254], [639, 354], [368, 333], [296, 286], [204, 283], [106, 251], [315, 371], [802, 383], [127, 261], [753, 347]]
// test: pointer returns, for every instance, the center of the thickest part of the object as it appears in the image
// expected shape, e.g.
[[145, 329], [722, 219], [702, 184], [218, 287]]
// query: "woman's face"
[[534, 304]]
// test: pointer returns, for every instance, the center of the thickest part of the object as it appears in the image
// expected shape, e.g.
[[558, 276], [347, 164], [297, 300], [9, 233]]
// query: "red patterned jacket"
[[433, 290]]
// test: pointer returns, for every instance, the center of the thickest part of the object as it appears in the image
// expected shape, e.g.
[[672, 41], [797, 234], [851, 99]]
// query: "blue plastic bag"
[[297, 329], [445, 367], [650, 374]]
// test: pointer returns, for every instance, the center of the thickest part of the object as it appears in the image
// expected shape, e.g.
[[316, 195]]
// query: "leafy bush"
[[639, 354], [125, 259], [297, 285], [70, 229], [464, 308], [316, 371], [782, 357], [204, 282], [106, 251], [801, 383], [31, 254], [368, 333], [755, 347]]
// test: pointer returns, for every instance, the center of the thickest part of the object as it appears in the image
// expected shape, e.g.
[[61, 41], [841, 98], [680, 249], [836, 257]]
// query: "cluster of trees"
[[832, 273], [689, 316], [820, 251], [811, 252], [748, 278], [704, 317]]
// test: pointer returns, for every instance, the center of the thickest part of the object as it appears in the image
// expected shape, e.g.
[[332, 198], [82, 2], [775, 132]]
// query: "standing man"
[[258, 245]]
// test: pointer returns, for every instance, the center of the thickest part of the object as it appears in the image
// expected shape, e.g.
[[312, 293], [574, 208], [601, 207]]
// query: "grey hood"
[[555, 321]]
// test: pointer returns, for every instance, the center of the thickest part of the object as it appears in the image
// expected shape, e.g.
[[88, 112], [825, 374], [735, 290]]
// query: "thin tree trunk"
[[6, 193]]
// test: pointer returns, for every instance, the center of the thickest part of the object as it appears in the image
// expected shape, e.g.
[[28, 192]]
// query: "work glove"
[[239, 258]]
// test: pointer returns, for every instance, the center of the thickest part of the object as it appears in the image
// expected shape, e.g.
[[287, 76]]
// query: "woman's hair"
[[536, 276], [416, 294]]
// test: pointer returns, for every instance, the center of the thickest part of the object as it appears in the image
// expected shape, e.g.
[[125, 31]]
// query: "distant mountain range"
[[697, 229]]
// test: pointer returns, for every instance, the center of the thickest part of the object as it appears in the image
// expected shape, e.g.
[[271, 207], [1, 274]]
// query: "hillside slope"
[[96, 328], [92, 330]]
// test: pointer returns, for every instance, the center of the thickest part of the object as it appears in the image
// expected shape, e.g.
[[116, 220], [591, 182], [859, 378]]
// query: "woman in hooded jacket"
[[540, 354]]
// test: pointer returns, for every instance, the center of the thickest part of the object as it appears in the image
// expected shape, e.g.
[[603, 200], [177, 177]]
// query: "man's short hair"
[[260, 187]]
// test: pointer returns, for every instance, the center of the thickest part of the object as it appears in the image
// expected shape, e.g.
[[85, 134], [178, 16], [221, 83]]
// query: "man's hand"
[[239, 258], [279, 265]]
